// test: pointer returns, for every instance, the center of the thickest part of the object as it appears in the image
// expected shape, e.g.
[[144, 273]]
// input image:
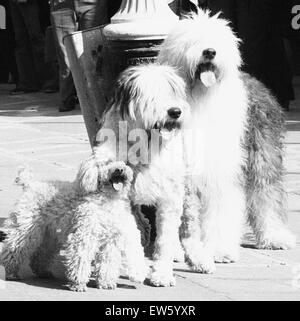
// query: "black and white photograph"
[[150, 152]]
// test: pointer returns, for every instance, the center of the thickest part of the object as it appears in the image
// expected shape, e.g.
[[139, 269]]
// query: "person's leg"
[[92, 15], [24, 59], [52, 83], [11, 59], [64, 23], [37, 39]]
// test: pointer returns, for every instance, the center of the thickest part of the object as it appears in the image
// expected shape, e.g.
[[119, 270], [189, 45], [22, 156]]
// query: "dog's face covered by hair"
[[114, 177], [204, 49], [151, 97]]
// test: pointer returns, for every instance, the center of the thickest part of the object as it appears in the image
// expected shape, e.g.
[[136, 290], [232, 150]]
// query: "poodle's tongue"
[[208, 78], [118, 186]]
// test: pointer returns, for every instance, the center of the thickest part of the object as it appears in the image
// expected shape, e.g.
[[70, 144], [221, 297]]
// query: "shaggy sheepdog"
[[73, 231], [142, 127], [235, 168]]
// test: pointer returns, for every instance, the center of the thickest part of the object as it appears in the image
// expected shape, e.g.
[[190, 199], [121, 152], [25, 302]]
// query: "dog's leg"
[[230, 222], [24, 235], [167, 228], [266, 198], [134, 253], [108, 262], [42, 258], [266, 205], [80, 249], [191, 233]]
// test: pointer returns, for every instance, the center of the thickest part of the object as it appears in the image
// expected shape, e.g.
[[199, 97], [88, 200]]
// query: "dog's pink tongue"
[[118, 186], [208, 78]]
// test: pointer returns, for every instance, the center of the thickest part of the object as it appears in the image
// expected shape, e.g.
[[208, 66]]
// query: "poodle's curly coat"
[[76, 230]]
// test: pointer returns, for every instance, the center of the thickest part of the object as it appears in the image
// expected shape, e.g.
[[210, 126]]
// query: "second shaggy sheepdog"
[[142, 127], [238, 167]]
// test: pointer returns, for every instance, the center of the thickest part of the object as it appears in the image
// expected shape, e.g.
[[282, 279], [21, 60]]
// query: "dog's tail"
[[24, 177]]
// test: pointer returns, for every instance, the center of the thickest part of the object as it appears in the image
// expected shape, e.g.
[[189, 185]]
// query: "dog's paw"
[[160, 277], [81, 287], [201, 261], [227, 256], [162, 280], [138, 276], [282, 239], [107, 285], [204, 266]]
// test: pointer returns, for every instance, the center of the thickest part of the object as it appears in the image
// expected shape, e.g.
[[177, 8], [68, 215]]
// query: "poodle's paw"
[[106, 284], [162, 278], [77, 287], [279, 239]]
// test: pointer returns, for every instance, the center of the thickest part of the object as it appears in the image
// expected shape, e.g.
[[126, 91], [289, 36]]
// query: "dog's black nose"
[[118, 172], [174, 112], [209, 53]]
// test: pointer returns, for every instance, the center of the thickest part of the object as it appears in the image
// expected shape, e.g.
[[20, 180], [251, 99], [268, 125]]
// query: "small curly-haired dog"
[[145, 119], [236, 166], [75, 230]]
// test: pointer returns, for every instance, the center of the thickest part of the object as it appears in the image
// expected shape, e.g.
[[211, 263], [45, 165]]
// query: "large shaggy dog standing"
[[142, 127], [236, 165], [75, 230]]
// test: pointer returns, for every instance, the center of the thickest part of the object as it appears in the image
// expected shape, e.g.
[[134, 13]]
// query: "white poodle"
[[77, 230]]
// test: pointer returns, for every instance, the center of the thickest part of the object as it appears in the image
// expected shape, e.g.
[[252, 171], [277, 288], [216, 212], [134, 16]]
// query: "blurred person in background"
[[8, 66], [30, 46], [68, 16]]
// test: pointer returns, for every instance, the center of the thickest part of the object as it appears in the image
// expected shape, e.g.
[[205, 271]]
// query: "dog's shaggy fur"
[[236, 167], [151, 101], [75, 230]]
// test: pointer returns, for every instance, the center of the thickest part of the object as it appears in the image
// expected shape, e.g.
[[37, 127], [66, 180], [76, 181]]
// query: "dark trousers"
[[7, 48], [29, 44], [66, 21]]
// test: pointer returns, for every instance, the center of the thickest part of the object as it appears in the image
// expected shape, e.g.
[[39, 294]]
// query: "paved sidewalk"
[[53, 144]]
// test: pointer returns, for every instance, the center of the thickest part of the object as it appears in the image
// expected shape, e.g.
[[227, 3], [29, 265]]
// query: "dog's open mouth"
[[118, 180], [168, 129], [207, 73]]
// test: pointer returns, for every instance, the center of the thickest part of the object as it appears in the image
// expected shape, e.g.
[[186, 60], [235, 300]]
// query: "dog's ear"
[[126, 92], [88, 174]]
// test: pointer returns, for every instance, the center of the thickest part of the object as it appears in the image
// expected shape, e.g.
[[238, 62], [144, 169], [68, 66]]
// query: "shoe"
[[286, 105], [2, 236], [22, 91], [50, 90], [69, 104]]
